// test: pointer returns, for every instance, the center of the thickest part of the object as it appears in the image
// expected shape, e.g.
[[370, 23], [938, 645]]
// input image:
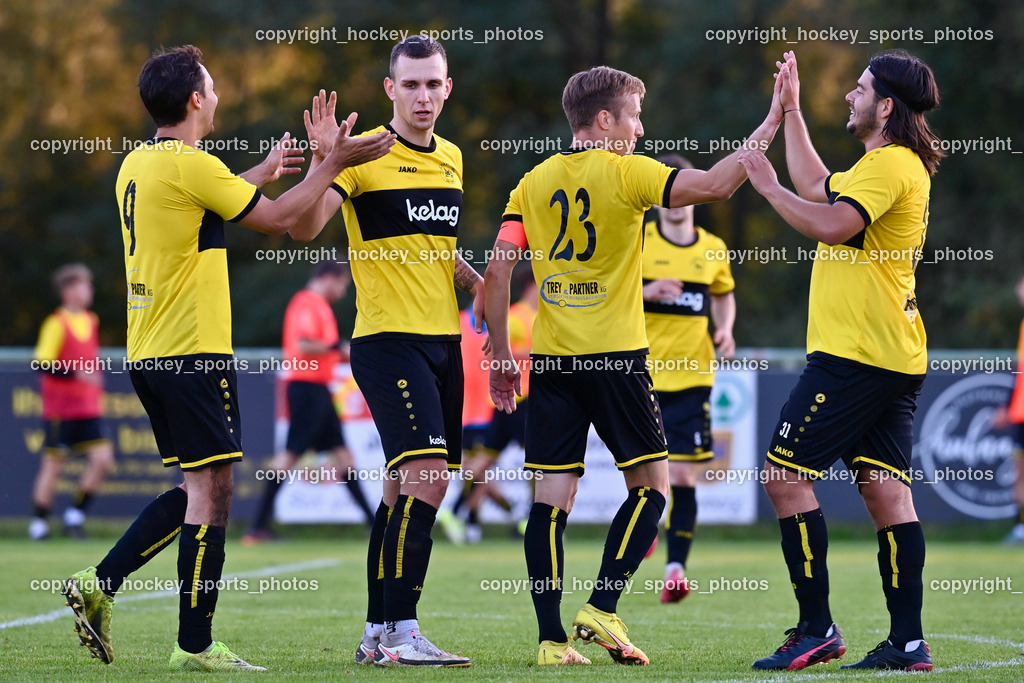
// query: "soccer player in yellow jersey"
[[867, 358], [173, 199], [580, 213], [687, 284], [402, 215]]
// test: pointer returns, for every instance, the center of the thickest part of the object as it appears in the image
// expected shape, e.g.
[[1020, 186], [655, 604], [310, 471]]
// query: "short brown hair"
[[70, 274], [601, 88], [416, 46], [168, 80]]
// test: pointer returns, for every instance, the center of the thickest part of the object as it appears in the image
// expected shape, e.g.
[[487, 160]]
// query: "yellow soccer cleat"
[[92, 613], [607, 630], [217, 657], [559, 654]]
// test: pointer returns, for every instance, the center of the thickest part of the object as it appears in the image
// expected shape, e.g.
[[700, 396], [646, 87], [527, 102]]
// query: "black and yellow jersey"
[[173, 201], [862, 302], [681, 347], [402, 215], [582, 212]]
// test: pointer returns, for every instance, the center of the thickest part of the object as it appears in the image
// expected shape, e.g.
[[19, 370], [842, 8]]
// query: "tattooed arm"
[[468, 280]]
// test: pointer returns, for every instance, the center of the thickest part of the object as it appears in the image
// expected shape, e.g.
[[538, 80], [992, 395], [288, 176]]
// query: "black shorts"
[[506, 428], [74, 435], [194, 412], [313, 419], [414, 392], [614, 392], [687, 418], [842, 409]]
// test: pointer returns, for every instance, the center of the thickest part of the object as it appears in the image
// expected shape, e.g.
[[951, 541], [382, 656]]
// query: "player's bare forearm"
[[723, 314], [504, 376], [284, 159], [806, 168], [313, 220], [466, 278], [828, 223]]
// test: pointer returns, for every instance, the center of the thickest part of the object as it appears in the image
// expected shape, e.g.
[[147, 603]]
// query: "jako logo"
[[407, 169], [437, 441], [449, 214]]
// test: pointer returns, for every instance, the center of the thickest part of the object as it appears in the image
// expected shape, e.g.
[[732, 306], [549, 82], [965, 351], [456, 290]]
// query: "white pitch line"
[[265, 571]]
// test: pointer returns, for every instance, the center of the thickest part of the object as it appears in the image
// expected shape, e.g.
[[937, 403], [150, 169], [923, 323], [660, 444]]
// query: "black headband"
[[883, 88]]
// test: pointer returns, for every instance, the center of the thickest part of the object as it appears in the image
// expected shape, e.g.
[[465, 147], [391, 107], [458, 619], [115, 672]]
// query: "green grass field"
[[306, 626]]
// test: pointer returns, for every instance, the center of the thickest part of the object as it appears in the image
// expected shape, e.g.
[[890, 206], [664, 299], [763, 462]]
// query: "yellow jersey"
[[681, 347], [173, 200], [402, 215], [862, 303], [582, 212]]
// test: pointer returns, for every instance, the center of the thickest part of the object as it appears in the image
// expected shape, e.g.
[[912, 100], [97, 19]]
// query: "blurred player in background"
[[580, 212], [173, 199], [312, 347], [1012, 416], [687, 285], [405, 347], [502, 428], [72, 392], [866, 346]]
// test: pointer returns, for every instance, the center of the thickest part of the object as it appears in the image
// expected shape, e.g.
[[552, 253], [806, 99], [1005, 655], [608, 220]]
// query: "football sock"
[[81, 500], [375, 566], [1020, 515], [805, 548], [266, 508], [152, 531], [633, 530], [682, 519], [40, 511], [200, 562], [900, 563], [355, 490], [544, 564], [407, 546], [399, 632]]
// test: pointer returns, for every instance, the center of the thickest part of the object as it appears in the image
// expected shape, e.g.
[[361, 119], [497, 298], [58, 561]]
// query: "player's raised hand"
[[284, 159], [321, 125], [759, 170], [789, 80], [349, 151]]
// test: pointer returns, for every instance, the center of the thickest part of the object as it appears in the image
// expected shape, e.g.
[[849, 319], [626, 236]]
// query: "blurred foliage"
[[70, 71]]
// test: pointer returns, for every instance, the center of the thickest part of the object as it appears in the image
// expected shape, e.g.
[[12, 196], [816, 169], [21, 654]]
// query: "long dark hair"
[[911, 85]]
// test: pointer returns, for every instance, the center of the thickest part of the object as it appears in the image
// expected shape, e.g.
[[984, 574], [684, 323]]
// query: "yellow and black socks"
[[544, 564], [900, 563], [805, 547], [407, 546], [152, 531], [200, 563], [633, 530], [682, 519], [375, 566]]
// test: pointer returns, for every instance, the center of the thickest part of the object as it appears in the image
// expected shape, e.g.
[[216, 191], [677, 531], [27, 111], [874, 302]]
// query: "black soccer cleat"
[[801, 650], [885, 655]]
